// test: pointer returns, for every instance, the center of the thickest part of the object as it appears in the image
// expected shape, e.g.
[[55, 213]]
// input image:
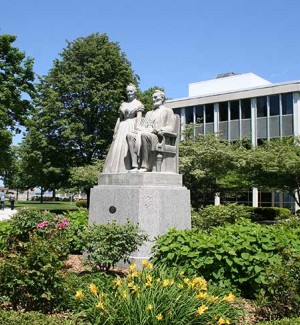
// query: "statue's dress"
[[118, 158]]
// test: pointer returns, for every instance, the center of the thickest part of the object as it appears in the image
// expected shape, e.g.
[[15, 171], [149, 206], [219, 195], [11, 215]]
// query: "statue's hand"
[[154, 131]]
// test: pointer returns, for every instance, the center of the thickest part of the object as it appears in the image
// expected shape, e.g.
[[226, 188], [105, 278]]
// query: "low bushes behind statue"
[[213, 216]]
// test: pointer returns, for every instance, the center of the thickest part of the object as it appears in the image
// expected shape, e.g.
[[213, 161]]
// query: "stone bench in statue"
[[168, 149]]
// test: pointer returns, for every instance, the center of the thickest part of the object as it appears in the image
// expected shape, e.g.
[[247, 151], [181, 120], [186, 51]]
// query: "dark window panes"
[[209, 113], [234, 110], [261, 106], [177, 111], [287, 103], [189, 115], [274, 105], [266, 197], [223, 111], [199, 114], [246, 108], [260, 142]]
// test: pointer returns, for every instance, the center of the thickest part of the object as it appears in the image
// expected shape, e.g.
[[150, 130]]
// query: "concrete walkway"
[[7, 213]]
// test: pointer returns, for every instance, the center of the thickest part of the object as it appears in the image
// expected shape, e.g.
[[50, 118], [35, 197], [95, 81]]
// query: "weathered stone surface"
[[140, 179], [156, 201]]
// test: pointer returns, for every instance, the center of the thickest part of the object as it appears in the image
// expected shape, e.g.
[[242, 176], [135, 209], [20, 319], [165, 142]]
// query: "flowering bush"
[[156, 296], [26, 221], [22, 224], [31, 276]]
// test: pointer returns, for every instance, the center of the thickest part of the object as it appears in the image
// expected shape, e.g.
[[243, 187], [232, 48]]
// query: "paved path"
[[7, 213]]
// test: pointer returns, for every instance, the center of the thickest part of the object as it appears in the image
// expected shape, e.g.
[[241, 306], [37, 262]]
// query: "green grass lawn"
[[48, 205]]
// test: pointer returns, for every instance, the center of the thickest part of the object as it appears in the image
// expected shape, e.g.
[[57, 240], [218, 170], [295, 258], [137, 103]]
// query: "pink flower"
[[57, 217], [42, 225], [63, 224]]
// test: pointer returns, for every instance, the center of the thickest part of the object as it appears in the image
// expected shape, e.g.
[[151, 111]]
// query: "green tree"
[[16, 89], [77, 107], [85, 177], [275, 166], [210, 165], [146, 97]]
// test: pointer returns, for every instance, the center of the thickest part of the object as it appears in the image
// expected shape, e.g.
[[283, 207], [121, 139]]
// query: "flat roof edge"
[[236, 92]]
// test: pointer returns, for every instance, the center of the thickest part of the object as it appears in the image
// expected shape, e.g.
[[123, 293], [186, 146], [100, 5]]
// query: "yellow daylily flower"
[[147, 264], [229, 298], [223, 321], [79, 294], [100, 305], [201, 309], [132, 266], [117, 282], [93, 289], [149, 307], [159, 316]]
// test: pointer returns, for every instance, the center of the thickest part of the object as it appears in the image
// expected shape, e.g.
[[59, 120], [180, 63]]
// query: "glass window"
[[260, 142], [199, 114], [209, 113], [261, 106], [189, 115], [274, 105], [287, 103], [177, 111], [246, 108], [234, 110], [223, 111]]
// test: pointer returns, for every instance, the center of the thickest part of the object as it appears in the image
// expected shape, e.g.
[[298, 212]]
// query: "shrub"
[[234, 255], [81, 204], [78, 222], [23, 223], [282, 297], [274, 213], [213, 216], [107, 244], [153, 296], [31, 276], [4, 228]]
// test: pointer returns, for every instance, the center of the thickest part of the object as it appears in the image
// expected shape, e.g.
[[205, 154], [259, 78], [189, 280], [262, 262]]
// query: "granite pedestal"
[[156, 201]]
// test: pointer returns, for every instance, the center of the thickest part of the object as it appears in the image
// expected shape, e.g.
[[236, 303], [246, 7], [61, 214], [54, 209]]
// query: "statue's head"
[[131, 91], [158, 97]]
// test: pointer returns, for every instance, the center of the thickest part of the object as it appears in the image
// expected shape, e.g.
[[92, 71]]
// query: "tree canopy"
[[275, 166], [16, 90], [77, 107], [210, 165]]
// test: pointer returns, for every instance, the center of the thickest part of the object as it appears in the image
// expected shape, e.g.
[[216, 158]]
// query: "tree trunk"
[[88, 194], [42, 192], [53, 194]]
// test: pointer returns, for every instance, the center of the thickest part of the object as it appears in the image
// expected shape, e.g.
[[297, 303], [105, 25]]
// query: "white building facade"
[[239, 106]]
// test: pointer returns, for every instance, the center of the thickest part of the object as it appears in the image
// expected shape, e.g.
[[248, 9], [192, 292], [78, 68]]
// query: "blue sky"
[[170, 43]]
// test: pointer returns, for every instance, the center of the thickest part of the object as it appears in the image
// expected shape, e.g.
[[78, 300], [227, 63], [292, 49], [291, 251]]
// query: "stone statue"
[[144, 141], [118, 158]]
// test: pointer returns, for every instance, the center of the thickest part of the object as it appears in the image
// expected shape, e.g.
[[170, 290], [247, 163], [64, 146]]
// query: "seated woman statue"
[[118, 158]]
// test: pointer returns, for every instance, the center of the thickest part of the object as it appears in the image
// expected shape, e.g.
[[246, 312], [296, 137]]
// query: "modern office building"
[[241, 106]]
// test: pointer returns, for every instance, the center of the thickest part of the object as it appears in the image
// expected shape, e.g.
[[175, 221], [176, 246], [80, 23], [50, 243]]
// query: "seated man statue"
[[142, 142]]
